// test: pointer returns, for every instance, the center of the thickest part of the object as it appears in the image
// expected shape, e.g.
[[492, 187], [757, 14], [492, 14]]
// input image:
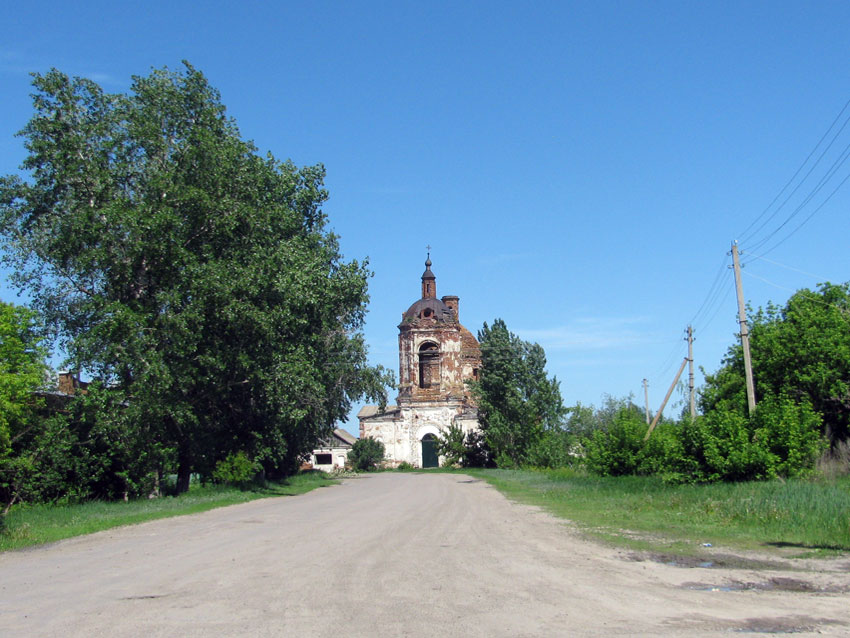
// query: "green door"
[[429, 451]]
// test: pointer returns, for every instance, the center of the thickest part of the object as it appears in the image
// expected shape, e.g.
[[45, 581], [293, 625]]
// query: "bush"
[[404, 466], [618, 449], [782, 439], [366, 454], [451, 445], [236, 469]]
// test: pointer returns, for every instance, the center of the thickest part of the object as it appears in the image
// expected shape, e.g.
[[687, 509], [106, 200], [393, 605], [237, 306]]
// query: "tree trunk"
[[184, 469]]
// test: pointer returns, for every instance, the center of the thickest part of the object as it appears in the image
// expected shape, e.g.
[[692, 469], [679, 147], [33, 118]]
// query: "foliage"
[[617, 449], [404, 466], [22, 372], [451, 444], [466, 450], [196, 280], [517, 402], [236, 469], [554, 448], [366, 454], [782, 439], [801, 351]]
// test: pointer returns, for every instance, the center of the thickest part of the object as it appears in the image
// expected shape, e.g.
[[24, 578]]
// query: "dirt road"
[[392, 555]]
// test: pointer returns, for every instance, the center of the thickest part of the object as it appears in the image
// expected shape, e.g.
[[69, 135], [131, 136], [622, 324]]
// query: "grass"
[[28, 525], [644, 513]]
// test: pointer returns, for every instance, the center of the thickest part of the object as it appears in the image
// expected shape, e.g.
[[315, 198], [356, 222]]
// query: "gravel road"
[[394, 555]]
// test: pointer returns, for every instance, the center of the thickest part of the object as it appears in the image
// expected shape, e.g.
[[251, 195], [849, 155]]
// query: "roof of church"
[[373, 410], [439, 310], [428, 274], [469, 343]]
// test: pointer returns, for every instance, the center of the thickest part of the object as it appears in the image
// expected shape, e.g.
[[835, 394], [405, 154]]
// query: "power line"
[[804, 222], [713, 290], [745, 236], [781, 265]]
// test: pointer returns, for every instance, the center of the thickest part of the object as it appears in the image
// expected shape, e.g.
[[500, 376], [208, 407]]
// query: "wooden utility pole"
[[666, 398], [646, 398], [691, 372], [745, 333]]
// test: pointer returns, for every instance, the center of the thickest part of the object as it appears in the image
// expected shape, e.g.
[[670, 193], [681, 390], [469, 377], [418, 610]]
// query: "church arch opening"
[[430, 457], [429, 365]]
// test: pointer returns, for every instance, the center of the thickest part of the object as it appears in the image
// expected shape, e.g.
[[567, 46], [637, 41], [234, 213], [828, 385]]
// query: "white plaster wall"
[[403, 434], [338, 456]]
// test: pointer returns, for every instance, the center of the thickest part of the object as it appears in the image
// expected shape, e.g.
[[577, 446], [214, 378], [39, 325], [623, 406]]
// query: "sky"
[[579, 169]]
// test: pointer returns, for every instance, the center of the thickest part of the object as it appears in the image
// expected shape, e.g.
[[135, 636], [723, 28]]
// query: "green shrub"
[[404, 466], [617, 450], [782, 439], [451, 445], [791, 433], [551, 450], [366, 454], [235, 469]]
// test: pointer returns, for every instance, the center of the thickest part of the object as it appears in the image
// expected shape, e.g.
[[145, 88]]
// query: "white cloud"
[[591, 333]]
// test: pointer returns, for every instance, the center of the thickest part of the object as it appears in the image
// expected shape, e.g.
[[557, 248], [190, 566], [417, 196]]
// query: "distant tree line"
[[801, 358], [194, 282]]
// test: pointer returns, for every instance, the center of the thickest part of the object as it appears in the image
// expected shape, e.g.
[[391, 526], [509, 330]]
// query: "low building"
[[331, 452]]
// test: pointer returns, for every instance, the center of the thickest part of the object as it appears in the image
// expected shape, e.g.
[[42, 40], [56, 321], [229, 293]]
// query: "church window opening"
[[324, 459], [429, 365]]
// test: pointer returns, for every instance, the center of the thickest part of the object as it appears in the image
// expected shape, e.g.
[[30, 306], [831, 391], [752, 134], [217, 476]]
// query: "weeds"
[[812, 514]]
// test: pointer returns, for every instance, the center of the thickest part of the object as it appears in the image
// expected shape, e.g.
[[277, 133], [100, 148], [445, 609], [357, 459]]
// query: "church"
[[436, 355]]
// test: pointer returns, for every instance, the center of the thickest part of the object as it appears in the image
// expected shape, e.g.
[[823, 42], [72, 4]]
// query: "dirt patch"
[[796, 624], [708, 561], [776, 583]]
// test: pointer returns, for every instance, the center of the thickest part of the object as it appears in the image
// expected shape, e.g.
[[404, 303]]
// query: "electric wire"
[[842, 311], [781, 265], [712, 290], [720, 305], [746, 235], [803, 223]]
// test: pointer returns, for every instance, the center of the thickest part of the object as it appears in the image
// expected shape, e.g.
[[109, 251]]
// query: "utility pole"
[[691, 372], [745, 333], [646, 398], [666, 399]]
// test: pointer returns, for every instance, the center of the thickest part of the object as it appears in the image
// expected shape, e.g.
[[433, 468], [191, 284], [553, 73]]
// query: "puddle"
[[788, 625], [772, 584], [728, 561]]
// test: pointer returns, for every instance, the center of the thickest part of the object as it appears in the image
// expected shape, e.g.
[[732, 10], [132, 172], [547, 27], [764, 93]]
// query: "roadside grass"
[[809, 516], [28, 525]]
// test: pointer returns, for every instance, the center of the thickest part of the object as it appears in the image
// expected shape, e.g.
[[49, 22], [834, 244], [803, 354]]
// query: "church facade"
[[437, 355]]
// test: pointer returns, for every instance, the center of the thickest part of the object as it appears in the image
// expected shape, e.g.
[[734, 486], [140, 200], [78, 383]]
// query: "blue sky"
[[579, 168]]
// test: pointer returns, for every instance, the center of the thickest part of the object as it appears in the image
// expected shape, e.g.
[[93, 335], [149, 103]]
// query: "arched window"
[[429, 365]]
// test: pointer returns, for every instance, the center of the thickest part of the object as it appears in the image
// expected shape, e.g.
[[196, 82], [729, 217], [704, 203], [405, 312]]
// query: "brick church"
[[436, 356]]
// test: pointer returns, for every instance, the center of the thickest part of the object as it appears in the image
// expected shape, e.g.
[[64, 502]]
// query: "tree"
[[22, 372], [366, 454], [194, 279], [800, 351], [517, 402]]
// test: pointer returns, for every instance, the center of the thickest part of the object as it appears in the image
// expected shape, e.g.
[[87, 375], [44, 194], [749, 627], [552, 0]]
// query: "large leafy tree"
[[518, 403], [801, 351], [22, 372], [191, 277]]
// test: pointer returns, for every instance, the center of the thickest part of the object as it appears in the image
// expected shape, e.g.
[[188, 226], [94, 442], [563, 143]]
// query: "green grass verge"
[[812, 516], [28, 525]]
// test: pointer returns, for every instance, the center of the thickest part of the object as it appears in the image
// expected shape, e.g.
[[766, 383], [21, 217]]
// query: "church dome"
[[429, 308]]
